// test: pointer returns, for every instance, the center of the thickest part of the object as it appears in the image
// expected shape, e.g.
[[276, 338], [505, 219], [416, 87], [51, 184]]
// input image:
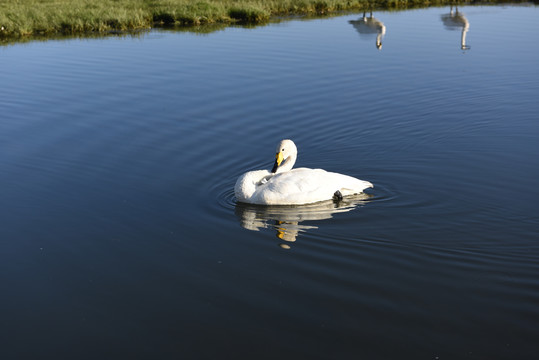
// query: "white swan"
[[370, 25], [284, 186], [455, 21]]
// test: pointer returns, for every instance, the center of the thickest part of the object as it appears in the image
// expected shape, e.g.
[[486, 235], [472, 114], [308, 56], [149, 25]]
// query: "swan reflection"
[[456, 20], [286, 221], [367, 26]]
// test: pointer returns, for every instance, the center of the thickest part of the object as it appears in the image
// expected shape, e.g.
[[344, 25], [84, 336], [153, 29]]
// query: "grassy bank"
[[31, 17], [19, 18]]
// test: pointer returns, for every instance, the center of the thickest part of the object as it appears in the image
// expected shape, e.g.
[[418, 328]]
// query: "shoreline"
[[41, 18]]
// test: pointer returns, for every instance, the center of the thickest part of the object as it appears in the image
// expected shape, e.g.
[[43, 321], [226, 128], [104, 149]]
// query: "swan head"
[[285, 157]]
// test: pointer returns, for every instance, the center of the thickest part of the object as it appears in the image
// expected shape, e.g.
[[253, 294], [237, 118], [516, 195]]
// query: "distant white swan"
[[370, 25], [287, 186], [456, 20]]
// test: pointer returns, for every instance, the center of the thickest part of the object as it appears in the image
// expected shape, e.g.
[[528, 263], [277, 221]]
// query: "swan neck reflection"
[[456, 20]]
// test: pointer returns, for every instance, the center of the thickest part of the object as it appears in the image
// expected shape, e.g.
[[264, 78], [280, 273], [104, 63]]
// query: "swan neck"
[[287, 164], [379, 41]]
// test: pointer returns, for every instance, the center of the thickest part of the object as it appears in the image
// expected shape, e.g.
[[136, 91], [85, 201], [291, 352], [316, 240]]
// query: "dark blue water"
[[121, 237]]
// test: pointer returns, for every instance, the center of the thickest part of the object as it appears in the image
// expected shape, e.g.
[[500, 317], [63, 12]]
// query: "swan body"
[[287, 186]]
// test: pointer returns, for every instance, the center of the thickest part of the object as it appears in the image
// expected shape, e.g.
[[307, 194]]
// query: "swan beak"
[[278, 161]]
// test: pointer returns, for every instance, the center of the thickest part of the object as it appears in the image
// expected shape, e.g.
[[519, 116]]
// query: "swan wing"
[[304, 186]]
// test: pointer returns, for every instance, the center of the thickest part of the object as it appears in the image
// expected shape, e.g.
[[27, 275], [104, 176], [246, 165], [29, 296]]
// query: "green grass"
[[22, 18]]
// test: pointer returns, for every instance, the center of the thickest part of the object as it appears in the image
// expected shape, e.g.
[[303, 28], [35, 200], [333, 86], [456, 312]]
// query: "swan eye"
[[282, 150]]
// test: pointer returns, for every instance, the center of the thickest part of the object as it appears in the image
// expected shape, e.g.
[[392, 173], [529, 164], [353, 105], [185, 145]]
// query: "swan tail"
[[357, 187]]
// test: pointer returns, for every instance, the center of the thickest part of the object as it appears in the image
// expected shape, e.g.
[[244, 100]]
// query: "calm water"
[[121, 237]]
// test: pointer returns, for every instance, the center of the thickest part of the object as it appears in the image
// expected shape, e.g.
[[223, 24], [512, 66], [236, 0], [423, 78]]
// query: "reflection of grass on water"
[[46, 17]]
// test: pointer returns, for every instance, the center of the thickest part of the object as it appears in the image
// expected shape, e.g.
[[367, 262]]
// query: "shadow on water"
[[133, 34], [197, 30], [287, 221], [367, 26], [456, 20]]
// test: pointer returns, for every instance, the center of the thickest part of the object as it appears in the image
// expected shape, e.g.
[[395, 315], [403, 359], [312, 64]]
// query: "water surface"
[[121, 236]]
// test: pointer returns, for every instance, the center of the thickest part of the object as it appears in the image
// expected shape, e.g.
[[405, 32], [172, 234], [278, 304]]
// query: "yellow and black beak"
[[278, 160]]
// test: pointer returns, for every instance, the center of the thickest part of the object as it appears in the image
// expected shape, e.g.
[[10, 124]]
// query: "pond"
[[122, 238]]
